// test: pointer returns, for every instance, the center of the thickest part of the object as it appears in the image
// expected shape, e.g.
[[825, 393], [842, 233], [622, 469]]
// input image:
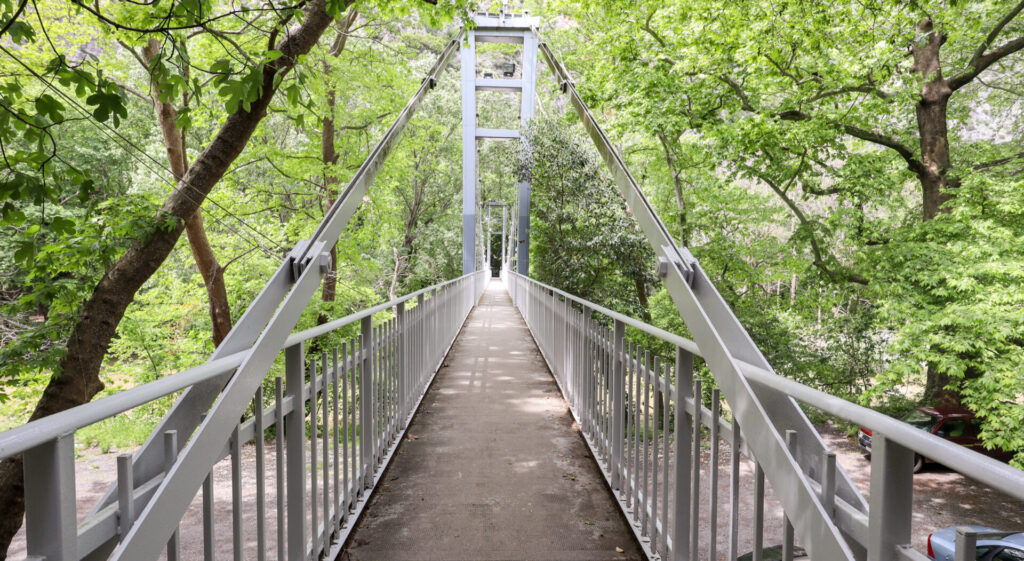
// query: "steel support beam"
[[526, 115], [468, 63]]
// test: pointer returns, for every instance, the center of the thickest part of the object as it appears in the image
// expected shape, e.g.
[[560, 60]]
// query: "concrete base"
[[493, 467]]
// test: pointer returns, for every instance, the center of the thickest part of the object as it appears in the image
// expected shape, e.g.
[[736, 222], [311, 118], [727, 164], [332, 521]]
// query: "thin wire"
[[107, 130]]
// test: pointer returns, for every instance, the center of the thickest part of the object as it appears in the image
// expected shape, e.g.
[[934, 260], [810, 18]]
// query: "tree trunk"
[[198, 242], [76, 379], [937, 185], [684, 230], [329, 157]]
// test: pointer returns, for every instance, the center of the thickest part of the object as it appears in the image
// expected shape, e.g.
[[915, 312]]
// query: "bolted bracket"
[[564, 86], [430, 81], [306, 252], [684, 263]]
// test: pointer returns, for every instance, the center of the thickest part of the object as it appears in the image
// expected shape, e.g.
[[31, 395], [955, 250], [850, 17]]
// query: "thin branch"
[[999, 162], [979, 63], [14, 18], [996, 30]]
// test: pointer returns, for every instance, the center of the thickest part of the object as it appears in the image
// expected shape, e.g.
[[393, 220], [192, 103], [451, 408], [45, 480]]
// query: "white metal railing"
[[346, 407], [638, 414]]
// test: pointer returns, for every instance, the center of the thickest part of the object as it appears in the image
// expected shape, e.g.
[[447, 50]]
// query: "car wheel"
[[918, 463]]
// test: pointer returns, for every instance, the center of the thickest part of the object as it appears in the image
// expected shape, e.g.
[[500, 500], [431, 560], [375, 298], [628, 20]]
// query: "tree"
[[582, 233], [262, 46], [837, 109]]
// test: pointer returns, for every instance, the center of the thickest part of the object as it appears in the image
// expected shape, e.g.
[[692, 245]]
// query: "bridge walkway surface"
[[493, 466]]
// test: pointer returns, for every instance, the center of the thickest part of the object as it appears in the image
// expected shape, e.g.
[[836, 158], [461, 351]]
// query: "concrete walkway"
[[493, 467]]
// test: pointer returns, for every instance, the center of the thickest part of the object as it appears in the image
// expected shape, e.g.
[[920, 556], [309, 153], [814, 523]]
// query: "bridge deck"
[[493, 468]]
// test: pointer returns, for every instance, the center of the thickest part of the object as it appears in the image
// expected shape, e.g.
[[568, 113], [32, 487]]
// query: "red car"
[[955, 424]]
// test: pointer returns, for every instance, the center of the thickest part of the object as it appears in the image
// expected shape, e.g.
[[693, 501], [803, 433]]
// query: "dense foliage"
[[849, 174]]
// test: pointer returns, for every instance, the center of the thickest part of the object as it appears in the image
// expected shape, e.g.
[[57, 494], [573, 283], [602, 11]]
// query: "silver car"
[[941, 545]]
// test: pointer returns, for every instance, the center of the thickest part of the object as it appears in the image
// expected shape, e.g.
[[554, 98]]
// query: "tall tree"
[[836, 109]]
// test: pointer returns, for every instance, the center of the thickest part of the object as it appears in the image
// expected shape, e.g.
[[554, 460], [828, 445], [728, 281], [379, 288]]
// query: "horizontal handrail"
[[32, 434], [972, 464]]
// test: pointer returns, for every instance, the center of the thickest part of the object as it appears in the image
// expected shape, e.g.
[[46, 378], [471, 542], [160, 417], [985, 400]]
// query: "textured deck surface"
[[493, 467]]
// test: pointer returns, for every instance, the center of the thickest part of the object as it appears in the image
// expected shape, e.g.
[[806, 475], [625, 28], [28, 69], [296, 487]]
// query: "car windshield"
[[920, 420], [1009, 554]]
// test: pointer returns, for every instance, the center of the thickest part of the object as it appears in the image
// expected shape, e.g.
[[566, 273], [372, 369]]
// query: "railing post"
[[295, 441], [683, 439], [618, 409], [403, 364], [366, 397], [892, 493], [51, 525]]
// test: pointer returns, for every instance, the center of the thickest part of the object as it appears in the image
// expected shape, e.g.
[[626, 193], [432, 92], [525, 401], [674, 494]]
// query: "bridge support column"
[[526, 115], [468, 63]]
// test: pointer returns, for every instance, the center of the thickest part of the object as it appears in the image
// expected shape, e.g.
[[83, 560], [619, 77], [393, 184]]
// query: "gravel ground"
[[941, 498]]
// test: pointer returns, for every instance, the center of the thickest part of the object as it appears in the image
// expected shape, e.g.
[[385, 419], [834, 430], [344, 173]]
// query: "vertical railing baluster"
[[261, 473], [336, 437], [366, 403], [314, 507], [638, 380], [403, 364], [734, 490], [695, 470], [346, 436], [618, 392], [656, 378], [279, 465], [170, 456], [325, 410], [51, 525], [236, 495], [295, 435], [647, 443], [630, 426], [665, 426], [209, 524], [787, 525], [716, 411], [828, 483], [758, 512], [683, 460], [125, 494]]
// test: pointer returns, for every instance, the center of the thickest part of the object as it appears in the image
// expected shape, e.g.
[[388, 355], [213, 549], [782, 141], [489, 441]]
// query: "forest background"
[[850, 175]]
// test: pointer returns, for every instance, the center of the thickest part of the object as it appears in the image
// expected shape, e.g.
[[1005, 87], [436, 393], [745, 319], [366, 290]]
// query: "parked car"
[[955, 424], [941, 545]]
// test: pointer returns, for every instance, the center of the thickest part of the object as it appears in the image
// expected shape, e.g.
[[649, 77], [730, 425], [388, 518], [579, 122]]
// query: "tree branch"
[[999, 162], [913, 164], [982, 60], [996, 30]]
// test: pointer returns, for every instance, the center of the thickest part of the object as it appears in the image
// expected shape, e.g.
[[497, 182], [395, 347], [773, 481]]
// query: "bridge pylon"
[[500, 27]]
